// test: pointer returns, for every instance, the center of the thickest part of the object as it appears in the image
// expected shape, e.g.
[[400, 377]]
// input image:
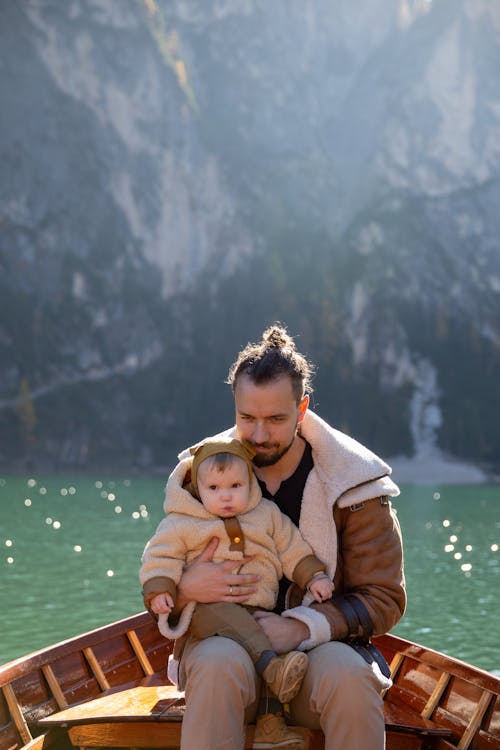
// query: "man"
[[337, 492]]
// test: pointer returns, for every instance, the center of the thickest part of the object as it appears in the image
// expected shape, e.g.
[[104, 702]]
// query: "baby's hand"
[[162, 604], [321, 588]]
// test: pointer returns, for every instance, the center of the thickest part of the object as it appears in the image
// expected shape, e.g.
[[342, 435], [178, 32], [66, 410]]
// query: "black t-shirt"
[[288, 498]]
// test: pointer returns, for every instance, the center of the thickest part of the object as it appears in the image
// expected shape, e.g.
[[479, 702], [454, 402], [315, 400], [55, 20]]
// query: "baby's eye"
[[235, 485], [212, 487]]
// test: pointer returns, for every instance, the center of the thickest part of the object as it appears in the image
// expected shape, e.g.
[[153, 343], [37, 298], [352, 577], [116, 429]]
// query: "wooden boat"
[[108, 688]]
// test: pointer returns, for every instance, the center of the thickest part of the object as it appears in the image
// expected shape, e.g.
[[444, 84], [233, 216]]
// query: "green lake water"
[[70, 550]]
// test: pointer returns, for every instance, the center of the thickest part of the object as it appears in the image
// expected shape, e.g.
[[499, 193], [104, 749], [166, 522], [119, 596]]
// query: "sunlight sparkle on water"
[[31, 482], [42, 490], [77, 548], [468, 547], [449, 548], [466, 567], [10, 560], [446, 523], [453, 538], [494, 548], [118, 509], [111, 497], [63, 491], [56, 525], [48, 520], [437, 496], [27, 502], [98, 485], [110, 573], [457, 555]]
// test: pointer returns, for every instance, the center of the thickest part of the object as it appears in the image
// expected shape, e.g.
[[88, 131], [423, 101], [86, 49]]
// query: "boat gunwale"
[[452, 665], [22, 665]]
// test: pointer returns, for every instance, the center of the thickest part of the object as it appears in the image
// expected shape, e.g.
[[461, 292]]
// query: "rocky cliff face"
[[176, 175]]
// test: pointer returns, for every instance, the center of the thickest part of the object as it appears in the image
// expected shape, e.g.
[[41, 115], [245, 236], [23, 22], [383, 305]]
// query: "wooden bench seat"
[[149, 715]]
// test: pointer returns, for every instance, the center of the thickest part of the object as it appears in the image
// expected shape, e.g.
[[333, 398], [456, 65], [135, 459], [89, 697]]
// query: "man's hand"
[[284, 633], [206, 581]]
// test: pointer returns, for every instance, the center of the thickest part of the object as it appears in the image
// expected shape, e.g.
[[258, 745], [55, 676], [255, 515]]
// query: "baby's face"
[[224, 493]]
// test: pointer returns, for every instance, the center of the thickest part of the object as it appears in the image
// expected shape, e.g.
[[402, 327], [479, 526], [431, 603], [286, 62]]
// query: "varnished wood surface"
[[432, 693], [160, 735], [140, 703], [390, 644], [25, 664]]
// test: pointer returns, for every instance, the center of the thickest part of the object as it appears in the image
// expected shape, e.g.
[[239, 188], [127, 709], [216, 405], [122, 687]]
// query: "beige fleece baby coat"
[[269, 537]]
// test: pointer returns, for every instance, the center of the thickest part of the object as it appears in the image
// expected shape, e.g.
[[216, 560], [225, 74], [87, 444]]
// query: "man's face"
[[267, 417]]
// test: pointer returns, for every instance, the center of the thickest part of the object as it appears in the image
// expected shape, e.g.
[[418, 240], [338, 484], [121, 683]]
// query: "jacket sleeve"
[[370, 595], [162, 561]]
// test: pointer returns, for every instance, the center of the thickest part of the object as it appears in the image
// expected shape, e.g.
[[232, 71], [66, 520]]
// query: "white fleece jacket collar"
[[345, 472], [342, 462]]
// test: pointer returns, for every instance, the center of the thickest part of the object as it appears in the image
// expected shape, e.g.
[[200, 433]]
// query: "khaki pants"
[[340, 694]]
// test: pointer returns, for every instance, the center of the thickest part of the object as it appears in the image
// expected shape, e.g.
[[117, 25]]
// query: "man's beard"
[[269, 459]]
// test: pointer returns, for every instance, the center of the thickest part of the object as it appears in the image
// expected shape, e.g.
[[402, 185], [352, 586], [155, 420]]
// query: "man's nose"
[[260, 432]]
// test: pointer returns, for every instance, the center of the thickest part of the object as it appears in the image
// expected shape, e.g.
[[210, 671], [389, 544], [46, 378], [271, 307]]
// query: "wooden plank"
[[124, 734], [141, 703], [166, 735], [44, 741], [475, 722], [435, 696], [139, 652], [397, 741], [54, 686], [398, 718], [395, 664], [96, 668], [16, 714]]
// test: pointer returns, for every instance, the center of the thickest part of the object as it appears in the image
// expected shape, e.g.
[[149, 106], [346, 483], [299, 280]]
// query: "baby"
[[216, 494]]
